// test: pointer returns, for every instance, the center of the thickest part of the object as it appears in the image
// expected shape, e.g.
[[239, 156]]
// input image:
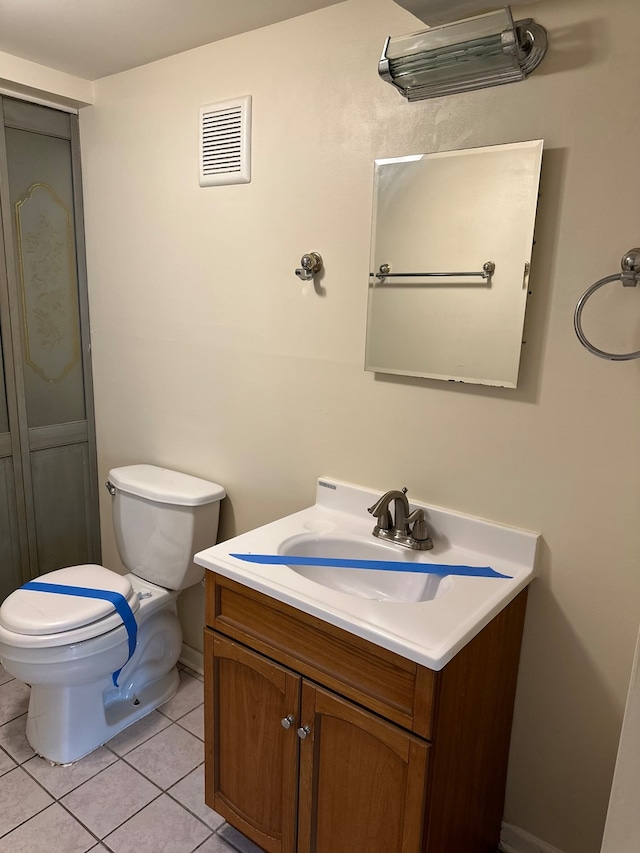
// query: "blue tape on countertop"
[[384, 565], [119, 602]]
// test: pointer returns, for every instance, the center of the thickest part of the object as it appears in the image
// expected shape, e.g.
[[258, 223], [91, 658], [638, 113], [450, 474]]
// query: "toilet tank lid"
[[165, 486]]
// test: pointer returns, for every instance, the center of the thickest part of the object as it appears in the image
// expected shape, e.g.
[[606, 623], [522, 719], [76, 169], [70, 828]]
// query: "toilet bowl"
[[96, 666]]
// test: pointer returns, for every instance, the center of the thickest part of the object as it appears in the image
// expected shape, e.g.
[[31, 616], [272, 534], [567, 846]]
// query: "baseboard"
[[516, 840], [192, 658]]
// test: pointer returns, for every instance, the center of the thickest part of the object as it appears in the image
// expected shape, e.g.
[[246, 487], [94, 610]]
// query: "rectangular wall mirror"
[[450, 252]]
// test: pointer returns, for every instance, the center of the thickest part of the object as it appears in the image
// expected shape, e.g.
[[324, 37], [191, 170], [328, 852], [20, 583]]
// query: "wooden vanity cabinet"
[[317, 741], [353, 776]]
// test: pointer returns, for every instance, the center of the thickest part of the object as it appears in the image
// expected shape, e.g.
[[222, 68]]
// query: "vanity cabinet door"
[[362, 780], [252, 760]]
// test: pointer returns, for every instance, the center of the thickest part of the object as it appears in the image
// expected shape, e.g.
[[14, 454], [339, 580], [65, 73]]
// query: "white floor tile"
[[190, 793], [110, 798], [59, 780], [14, 700], [194, 722], [6, 763], [21, 799], [139, 732], [190, 694], [167, 756], [52, 830], [14, 741], [162, 825]]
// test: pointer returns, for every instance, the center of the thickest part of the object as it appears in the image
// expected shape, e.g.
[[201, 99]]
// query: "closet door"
[[48, 318]]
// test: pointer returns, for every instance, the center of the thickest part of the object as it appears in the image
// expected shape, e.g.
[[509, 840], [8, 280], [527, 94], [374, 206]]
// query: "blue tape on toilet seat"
[[119, 602]]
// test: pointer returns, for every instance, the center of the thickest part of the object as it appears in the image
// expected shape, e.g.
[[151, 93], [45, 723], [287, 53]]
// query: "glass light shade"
[[470, 54]]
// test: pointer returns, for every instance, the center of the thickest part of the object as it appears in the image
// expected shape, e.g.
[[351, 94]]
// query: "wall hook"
[[311, 264]]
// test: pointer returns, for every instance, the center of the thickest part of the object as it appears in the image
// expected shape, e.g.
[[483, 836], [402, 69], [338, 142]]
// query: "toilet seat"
[[38, 619]]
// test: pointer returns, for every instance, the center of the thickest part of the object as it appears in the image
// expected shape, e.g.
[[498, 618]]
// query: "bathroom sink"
[[424, 605], [380, 584]]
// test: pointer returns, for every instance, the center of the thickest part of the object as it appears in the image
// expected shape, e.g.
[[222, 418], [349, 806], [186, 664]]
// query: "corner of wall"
[[516, 840]]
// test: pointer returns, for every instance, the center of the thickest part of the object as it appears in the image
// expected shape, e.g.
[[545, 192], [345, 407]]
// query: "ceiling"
[[95, 38]]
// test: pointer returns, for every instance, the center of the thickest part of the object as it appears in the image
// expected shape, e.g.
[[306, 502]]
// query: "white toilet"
[[98, 664]]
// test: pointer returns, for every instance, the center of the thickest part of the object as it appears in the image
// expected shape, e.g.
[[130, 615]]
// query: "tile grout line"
[[11, 719]]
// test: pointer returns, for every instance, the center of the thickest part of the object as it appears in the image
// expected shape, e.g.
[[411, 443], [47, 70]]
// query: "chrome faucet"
[[406, 528]]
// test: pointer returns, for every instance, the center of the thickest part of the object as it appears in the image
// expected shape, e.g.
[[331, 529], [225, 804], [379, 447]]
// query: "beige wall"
[[212, 357]]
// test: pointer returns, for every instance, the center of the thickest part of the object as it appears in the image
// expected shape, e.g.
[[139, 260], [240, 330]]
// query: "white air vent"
[[225, 142]]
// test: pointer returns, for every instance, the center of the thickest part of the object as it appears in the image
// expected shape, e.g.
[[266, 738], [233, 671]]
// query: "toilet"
[[99, 649]]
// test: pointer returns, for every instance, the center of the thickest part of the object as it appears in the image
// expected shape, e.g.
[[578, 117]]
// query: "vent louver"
[[225, 142]]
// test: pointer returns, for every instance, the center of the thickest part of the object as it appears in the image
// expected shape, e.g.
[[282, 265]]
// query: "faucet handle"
[[420, 531]]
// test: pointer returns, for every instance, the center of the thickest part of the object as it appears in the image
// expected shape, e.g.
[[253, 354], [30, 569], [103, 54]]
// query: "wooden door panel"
[[255, 760], [10, 548], [362, 780], [62, 507]]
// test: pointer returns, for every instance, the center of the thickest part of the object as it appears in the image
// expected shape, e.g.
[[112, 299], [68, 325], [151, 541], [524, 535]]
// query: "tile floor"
[[143, 791]]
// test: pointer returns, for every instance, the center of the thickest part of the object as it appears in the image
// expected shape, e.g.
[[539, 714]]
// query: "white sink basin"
[[383, 584], [424, 605]]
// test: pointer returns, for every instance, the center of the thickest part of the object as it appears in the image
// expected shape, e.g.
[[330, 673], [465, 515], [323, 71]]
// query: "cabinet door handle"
[[288, 721], [303, 731]]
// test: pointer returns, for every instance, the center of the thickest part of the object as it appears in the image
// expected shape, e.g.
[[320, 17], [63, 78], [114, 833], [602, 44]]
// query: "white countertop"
[[427, 632]]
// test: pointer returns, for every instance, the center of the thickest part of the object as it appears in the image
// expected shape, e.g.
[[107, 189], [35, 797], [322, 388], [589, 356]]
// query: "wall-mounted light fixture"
[[473, 53]]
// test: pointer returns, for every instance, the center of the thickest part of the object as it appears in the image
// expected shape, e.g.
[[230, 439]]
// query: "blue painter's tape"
[[119, 602], [440, 569]]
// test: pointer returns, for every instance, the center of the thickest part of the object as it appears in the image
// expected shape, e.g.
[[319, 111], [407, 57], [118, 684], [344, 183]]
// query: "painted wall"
[[212, 357], [622, 827]]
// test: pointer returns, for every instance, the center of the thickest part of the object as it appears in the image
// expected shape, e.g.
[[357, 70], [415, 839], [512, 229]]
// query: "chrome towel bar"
[[630, 277], [488, 269]]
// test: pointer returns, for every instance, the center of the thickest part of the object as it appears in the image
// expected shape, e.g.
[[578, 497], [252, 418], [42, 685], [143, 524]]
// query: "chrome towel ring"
[[630, 277]]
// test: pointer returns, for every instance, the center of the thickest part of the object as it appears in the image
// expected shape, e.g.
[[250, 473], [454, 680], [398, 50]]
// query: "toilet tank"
[[161, 518]]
